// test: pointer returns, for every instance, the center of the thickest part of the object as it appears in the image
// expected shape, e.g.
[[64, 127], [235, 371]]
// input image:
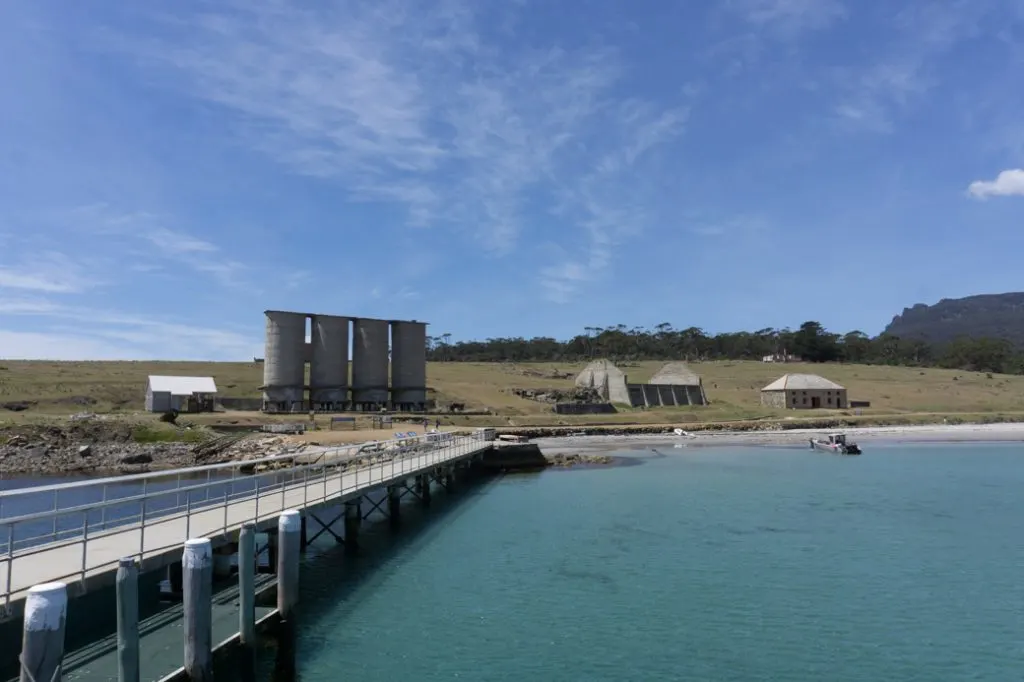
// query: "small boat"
[[835, 443]]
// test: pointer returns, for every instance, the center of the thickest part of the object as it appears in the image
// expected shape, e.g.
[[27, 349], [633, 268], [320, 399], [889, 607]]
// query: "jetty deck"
[[216, 508]]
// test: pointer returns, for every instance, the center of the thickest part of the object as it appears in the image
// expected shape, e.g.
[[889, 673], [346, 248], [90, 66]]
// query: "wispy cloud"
[[412, 108], [157, 241], [47, 272], [127, 336], [1007, 183], [789, 18], [873, 96]]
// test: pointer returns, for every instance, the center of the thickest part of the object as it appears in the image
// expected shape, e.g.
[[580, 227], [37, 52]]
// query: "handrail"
[[131, 478], [384, 465], [320, 463]]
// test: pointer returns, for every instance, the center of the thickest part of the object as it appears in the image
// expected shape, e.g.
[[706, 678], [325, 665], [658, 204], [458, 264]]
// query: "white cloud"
[[47, 272], [789, 18], [1007, 183], [54, 331], [148, 231], [413, 108], [42, 346], [873, 96]]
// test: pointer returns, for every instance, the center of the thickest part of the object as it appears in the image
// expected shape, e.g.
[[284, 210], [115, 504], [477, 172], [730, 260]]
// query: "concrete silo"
[[328, 363], [408, 365], [284, 361], [369, 364]]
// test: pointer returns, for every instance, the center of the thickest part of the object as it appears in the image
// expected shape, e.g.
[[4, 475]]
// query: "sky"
[[519, 168]]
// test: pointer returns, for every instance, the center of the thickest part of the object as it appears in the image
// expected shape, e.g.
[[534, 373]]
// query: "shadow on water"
[[330, 574]]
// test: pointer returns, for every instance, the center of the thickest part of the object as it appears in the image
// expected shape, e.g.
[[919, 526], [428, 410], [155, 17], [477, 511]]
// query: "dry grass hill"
[[46, 389]]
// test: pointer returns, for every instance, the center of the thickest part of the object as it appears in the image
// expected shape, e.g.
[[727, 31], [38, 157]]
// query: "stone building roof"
[[801, 382]]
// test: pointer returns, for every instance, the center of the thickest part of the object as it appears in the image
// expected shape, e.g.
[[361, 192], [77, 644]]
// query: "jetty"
[[86, 536]]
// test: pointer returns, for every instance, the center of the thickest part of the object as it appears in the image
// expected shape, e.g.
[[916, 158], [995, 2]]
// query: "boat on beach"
[[835, 443]]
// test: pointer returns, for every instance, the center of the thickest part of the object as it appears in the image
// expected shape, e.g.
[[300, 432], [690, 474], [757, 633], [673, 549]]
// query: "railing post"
[[256, 518], [188, 513], [10, 564], [142, 523], [197, 584], [85, 542], [42, 644], [103, 509], [127, 620], [289, 541]]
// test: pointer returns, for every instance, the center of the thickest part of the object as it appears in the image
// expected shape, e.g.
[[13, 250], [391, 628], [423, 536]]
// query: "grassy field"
[[61, 388]]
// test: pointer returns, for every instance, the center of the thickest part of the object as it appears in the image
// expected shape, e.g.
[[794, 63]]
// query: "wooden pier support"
[[394, 503], [42, 644], [247, 599], [449, 478], [127, 620], [197, 584], [289, 547], [353, 517]]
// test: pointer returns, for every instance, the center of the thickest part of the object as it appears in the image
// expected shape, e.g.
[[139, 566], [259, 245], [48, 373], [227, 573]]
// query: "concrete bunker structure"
[[373, 361], [607, 379], [674, 384]]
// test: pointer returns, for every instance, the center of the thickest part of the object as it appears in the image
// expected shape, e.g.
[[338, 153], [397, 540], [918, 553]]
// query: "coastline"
[[935, 433]]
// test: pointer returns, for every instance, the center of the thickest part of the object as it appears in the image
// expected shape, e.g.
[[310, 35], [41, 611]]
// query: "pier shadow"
[[330, 573]]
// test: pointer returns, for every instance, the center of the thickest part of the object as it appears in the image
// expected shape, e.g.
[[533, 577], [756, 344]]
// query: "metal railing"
[[84, 512]]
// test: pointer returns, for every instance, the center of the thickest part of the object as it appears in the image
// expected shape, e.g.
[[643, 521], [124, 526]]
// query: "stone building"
[[804, 392]]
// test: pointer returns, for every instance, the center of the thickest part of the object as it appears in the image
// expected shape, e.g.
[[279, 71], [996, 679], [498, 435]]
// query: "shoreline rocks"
[[566, 460]]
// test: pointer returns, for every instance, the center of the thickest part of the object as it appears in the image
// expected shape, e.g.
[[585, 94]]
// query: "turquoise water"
[[744, 564]]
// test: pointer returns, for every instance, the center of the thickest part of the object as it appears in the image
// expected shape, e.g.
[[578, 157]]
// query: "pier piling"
[[289, 539], [42, 645], [423, 488], [197, 586], [353, 516], [394, 503], [127, 620], [247, 597]]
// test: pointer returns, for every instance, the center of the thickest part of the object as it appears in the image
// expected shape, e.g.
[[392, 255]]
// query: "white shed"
[[171, 393]]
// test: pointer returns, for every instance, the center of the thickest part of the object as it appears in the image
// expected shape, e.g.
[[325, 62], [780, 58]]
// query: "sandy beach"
[[936, 433]]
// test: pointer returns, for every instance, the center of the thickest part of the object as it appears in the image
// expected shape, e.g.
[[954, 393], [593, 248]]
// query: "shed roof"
[[801, 382], [182, 385]]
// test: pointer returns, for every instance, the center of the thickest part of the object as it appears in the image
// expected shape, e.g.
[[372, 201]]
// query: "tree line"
[[811, 343]]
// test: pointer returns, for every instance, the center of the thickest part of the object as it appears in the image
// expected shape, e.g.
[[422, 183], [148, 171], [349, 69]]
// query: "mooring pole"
[[42, 644], [127, 620], [247, 598], [197, 586], [289, 539]]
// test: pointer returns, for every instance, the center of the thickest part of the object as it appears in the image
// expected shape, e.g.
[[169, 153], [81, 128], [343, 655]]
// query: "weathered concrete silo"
[[328, 364], [284, 361], [408, 365], [369, 363]]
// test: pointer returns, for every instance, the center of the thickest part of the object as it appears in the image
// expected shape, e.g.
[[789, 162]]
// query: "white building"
[[172, 393]]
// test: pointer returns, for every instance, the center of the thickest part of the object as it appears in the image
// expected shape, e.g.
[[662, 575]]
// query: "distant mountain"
[[999, 316]]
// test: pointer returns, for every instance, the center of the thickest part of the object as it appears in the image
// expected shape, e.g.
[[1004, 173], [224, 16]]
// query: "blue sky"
[[498, 168]]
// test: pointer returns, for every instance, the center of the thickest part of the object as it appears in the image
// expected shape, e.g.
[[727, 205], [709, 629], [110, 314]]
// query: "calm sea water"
[[906, 563]]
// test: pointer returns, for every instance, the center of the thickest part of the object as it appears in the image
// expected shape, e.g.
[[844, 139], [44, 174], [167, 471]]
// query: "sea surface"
[[724, 564]]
